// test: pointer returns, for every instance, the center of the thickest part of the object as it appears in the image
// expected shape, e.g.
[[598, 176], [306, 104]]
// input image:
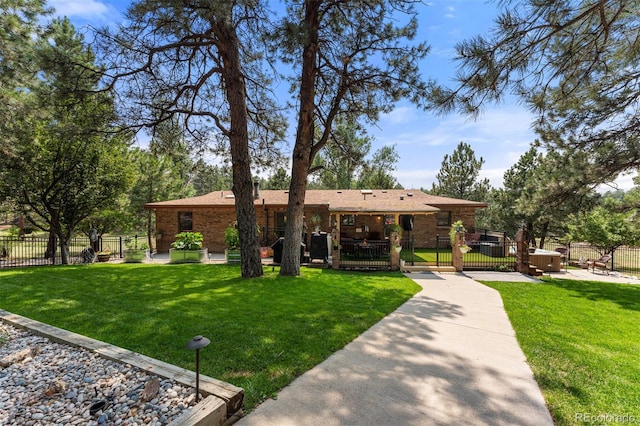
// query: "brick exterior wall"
[[425, 231], [206, 221], [212, 223]]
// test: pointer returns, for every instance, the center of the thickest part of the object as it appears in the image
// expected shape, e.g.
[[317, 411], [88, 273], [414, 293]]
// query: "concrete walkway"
[[447, 356]]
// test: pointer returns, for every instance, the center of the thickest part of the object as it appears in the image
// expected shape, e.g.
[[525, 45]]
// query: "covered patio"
[[367, 234]]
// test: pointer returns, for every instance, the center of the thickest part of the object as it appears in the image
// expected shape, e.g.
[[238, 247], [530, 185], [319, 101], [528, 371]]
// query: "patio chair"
[[599, 264]]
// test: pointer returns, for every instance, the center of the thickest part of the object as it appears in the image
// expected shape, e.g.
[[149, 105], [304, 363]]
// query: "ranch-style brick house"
[[354, 214]]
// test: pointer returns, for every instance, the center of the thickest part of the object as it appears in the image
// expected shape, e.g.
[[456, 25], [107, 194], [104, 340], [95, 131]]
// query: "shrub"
[[188, 241], [133, 244], [231, 238]]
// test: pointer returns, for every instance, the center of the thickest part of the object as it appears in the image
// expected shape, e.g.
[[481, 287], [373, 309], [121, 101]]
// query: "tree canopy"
[[65, 158], [459, 176], [604, 228], [575, 64], [353, 61], [201, 62]]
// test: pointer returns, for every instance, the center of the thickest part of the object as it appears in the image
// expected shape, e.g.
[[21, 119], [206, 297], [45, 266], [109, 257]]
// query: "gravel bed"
[[59, 384]]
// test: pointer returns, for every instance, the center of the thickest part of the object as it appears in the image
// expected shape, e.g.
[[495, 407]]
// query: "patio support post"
[[395, 253], [522, 251], [335, 252], [456, 254]]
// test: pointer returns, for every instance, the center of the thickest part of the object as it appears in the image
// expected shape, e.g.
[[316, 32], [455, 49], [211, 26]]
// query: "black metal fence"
[[624, 259], [366, 255], [489, 250], [24, 251]]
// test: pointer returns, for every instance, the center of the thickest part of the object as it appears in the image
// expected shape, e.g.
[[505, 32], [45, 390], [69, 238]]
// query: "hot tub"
[[546, 260]]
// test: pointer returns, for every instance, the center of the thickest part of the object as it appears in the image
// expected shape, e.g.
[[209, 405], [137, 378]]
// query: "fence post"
[[437, 249], [505, 248]]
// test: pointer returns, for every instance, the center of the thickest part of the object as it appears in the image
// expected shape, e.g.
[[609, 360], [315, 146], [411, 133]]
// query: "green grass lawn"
[[582, 340], [264, 332], [429, 255]]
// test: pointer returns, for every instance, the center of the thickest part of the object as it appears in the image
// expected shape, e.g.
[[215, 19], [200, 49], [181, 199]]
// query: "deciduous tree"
[[65, 159], [604, 227]]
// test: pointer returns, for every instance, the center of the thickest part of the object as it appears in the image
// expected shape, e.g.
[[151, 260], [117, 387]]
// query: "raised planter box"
[[188, 256], [232, 256], [136, 256]]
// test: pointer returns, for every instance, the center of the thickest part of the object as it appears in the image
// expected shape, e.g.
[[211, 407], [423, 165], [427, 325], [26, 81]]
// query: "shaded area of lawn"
[[582, 340], [264, 332]]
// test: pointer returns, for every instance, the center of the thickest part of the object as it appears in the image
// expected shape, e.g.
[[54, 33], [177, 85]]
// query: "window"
[[348, 219], [443, 219], [185, 221]]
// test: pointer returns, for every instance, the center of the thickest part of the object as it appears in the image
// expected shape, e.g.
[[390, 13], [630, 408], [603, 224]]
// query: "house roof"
[[339, 201]]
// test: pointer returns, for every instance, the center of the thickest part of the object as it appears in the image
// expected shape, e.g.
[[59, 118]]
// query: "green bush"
[[231, 238], [188, 241], [133, 244]]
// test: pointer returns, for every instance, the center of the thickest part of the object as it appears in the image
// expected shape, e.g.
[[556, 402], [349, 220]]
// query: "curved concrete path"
[[447, 356]]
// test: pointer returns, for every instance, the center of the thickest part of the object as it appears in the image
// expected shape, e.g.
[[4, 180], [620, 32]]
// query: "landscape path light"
[[196, 344]]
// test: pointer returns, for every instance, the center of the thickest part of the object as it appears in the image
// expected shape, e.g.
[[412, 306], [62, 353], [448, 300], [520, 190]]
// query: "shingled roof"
[[339, 201]]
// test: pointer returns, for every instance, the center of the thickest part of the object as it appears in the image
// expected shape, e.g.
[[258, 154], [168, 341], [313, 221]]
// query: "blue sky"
[[500, 135]]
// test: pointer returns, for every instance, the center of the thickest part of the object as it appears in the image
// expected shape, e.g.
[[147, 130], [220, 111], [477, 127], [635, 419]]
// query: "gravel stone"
[[81, 378]]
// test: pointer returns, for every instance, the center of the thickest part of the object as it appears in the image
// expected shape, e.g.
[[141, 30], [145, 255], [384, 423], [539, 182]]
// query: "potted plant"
[[396, 244], [456, 227], [232, 243], [103, 255], [187, 248], [136, 252], [316, 221]]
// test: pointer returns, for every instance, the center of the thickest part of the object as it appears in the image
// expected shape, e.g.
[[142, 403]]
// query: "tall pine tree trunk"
[[236, 93], [304, 142]]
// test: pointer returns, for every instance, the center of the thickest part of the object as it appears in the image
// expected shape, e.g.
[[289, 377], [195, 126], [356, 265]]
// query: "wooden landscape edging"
[[222, 400]]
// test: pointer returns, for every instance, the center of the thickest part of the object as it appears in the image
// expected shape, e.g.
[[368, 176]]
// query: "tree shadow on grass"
[[626, 296], [420, 365], [264, 331]]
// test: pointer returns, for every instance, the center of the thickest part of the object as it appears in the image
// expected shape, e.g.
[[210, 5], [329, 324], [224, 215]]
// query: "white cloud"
[[495, 175], [416, 179], [400, 115], [90, 10], [624, 182], [450, 12], [500, 136]]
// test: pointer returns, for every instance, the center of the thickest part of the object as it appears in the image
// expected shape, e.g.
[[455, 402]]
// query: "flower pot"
[[103, 257], [188, 256]]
